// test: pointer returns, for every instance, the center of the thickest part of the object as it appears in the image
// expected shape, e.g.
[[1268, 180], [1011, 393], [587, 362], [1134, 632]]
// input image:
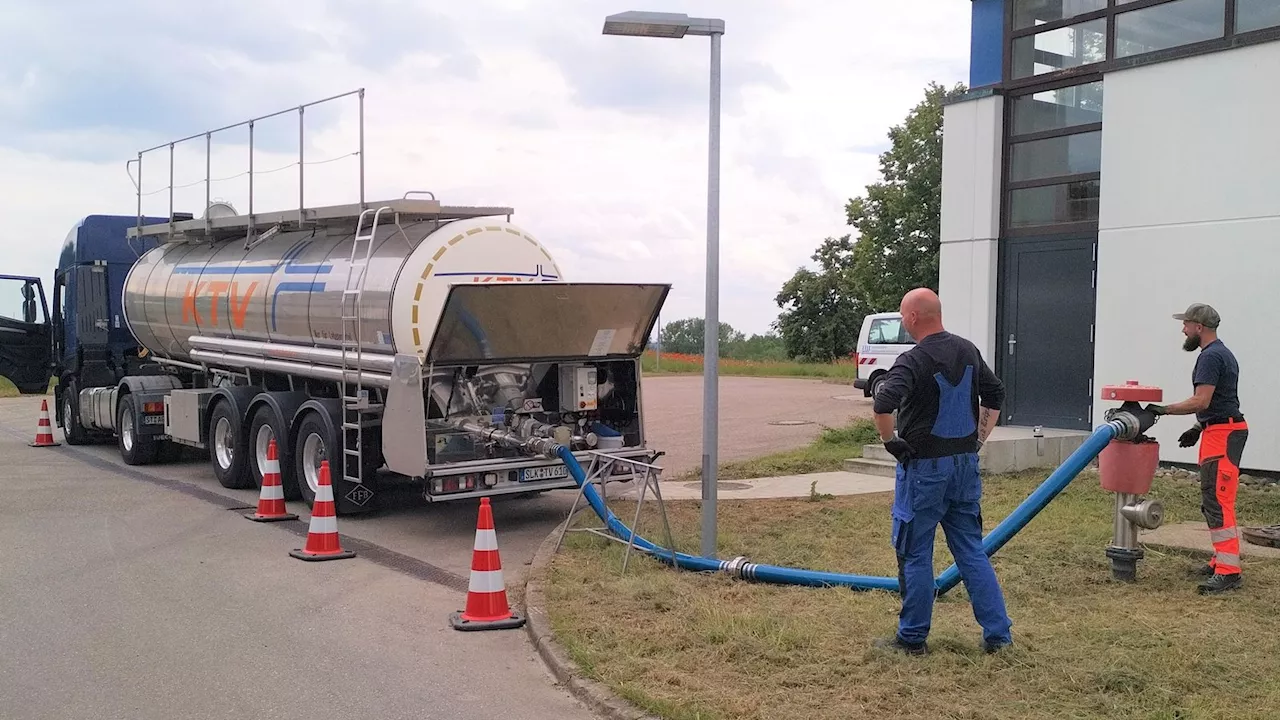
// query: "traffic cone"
[[271, 500], [322, 536], [44, 430], [487, 607]]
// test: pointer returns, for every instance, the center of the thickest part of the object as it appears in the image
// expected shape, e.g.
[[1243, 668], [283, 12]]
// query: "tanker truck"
[[387, 334]]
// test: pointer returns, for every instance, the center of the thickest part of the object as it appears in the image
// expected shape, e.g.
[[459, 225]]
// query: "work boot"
[[898, 644], [1220, 583], [991, 648]]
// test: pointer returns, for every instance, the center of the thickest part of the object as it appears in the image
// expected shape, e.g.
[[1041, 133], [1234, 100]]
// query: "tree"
[[687, 335], [899, 219], [822, 311]]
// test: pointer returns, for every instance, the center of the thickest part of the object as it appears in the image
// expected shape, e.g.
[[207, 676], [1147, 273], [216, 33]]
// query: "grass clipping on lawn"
[[687, 645]]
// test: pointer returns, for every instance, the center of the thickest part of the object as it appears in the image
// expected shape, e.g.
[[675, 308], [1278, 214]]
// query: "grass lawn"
[[824, 454], [690, 646], [679, 364]]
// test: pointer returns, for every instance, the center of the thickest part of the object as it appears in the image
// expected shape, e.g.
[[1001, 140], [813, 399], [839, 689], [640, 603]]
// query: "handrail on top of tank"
[[208, 136]]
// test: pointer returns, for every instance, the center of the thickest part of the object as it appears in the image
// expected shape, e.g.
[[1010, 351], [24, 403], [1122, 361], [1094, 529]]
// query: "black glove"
[[1158, 410], [899, 448], [1189, 438]]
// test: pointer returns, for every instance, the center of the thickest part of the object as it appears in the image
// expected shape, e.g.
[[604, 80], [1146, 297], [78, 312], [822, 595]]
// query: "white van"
[[880, 342]]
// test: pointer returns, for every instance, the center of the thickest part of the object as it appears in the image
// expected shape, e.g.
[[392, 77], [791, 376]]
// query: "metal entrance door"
[[1046, 339]]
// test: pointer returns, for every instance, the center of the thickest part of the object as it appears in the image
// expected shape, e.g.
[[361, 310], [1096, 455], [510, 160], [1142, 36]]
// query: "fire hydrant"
[[1127, 468]]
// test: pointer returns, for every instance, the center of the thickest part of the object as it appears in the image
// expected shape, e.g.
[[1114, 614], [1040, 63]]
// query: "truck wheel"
[[265, 427], [72, 430], [135, 449], [228, 448], [318, 441]]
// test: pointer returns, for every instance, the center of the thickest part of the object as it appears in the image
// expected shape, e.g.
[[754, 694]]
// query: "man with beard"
[[1222, 433]]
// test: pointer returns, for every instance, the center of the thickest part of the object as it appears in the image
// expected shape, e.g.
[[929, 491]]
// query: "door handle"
[[1012, 341]]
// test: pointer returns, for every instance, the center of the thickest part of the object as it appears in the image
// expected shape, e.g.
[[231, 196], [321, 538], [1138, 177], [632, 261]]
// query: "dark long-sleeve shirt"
[[937, 387]]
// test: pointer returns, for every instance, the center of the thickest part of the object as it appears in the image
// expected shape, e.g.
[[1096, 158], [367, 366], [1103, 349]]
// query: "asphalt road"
[[141, 592]]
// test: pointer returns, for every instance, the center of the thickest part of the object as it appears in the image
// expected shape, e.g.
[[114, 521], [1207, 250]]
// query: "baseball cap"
[[1200, 313]]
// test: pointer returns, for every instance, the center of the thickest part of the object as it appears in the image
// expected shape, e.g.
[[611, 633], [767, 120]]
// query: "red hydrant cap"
[[1131, 390]]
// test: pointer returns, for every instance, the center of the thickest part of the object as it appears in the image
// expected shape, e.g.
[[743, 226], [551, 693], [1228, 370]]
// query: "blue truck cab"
[[91, 344]]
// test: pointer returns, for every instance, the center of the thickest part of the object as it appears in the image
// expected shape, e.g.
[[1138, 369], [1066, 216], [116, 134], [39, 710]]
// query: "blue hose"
[[1037, 501]]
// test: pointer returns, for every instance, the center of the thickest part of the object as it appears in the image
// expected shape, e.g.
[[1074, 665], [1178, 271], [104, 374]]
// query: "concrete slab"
[[786, 486], [1194, 537], [1009, 449]]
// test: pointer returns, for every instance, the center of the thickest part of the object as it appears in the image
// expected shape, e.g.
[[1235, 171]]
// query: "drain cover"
[[791, 422], [721, 485]]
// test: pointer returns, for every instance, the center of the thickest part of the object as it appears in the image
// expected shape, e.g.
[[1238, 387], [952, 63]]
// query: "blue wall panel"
[[986, 44]]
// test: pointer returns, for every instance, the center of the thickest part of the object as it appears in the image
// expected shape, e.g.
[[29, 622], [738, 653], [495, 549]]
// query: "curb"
[[595, 695]]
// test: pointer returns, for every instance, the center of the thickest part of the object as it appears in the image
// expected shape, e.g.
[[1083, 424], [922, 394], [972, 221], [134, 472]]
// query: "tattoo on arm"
[[987, 423]]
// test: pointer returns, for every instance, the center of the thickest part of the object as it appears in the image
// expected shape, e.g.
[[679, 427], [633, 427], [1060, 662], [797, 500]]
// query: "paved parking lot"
[[141, 592]]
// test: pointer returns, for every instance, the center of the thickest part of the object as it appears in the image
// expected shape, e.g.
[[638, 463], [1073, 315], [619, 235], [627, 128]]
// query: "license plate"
[[152, 419], [547, 472]]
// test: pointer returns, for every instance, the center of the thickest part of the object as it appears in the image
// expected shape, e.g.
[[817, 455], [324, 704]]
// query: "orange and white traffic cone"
[[271, 506], [44, 430], [322, 536], [487, 607]]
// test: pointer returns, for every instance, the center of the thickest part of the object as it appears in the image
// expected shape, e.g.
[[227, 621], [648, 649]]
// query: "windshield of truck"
[[20, 301]]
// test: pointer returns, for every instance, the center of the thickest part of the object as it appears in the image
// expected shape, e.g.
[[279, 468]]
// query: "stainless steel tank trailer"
[[392, 333]]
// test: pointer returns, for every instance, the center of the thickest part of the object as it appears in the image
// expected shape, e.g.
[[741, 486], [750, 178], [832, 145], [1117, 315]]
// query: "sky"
[[598, 142]]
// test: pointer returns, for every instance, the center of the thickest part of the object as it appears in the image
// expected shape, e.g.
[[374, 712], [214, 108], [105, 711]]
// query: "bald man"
[[948, 401]]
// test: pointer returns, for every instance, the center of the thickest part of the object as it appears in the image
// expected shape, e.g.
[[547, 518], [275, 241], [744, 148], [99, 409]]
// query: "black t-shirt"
[[936, 387], [1217, 366]]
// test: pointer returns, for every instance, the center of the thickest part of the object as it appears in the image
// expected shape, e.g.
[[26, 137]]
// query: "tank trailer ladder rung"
[[355, 397]]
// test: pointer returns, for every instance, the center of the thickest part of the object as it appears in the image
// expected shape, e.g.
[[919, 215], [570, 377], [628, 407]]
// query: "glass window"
[[1069, 202], [1060, 49], [1065, 155], [1027, 13], [1055, 109], [887, 331], [20, 301], [1165, 26], [1256, 14]]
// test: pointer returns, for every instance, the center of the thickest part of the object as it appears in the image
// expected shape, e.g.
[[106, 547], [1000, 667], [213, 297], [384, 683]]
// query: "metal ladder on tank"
[[355, 397]]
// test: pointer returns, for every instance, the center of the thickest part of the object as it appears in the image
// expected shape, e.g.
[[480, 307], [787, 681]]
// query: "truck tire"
[[265, 426], [318, 440], [229, 448], [72, 431], [135, 449]]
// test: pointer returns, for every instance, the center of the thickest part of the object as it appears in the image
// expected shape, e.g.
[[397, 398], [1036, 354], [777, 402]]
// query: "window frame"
[[1228, 40]]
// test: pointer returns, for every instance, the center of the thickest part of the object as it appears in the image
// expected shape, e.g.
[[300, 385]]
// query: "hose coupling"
[[736, 567]]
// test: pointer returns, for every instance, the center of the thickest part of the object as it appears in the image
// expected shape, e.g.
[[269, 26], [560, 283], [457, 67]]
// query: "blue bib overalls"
[[945, 491]]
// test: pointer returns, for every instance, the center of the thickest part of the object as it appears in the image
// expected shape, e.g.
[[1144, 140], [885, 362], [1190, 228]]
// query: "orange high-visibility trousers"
[[1221, 446]]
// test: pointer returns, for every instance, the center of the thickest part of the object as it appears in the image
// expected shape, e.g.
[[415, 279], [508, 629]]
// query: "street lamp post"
[[677, 25]]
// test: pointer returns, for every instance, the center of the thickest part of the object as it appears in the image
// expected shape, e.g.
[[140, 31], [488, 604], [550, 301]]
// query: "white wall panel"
[[971, 166], [1190, 212]]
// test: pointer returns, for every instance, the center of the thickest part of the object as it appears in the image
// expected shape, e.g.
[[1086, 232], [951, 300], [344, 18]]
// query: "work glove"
[[1157, 410], [899, 448], [1189, 438]]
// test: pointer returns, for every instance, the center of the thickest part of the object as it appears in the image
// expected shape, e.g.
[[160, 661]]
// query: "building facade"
[[1113, 162]]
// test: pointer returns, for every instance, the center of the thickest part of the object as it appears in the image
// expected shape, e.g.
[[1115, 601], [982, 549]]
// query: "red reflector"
[[451, 484], [153, 407]]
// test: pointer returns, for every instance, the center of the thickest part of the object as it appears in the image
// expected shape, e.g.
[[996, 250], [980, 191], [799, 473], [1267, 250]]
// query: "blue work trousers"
[[946, 491]]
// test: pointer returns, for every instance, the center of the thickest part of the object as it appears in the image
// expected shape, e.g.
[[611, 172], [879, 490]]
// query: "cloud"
[[599, 143]]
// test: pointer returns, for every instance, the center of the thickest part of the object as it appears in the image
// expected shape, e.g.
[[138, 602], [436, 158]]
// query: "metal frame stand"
[[601, 468]]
